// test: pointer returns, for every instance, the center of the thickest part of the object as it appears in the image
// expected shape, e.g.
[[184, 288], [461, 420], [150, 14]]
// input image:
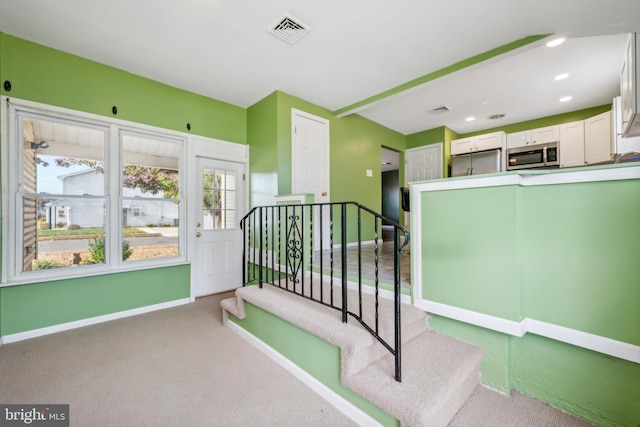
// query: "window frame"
[[12, 111]]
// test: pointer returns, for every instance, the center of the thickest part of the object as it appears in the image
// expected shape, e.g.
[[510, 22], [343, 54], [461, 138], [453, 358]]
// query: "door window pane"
[[219, 204]]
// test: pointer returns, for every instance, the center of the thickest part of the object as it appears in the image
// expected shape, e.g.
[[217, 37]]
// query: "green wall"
[[27, 307], [564, 254], [599, 388], [262, 136], [474, 228], [314, 355], [589, 247], [45, 75], [38, 73], [355, 146]]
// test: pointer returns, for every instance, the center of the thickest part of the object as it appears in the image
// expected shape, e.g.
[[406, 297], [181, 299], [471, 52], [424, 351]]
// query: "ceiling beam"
[[466, 63]]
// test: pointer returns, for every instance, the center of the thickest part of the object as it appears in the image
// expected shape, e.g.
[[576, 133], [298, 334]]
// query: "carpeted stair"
[[438, 373]]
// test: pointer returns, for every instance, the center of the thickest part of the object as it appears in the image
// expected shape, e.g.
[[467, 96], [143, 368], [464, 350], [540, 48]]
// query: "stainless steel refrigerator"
[[476, 163]]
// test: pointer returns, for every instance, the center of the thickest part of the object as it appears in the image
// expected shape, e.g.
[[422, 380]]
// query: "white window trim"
[[11, 275]]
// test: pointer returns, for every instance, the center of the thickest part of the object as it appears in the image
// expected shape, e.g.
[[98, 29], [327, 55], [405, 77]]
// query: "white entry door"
[[310, 164], [218, 243]]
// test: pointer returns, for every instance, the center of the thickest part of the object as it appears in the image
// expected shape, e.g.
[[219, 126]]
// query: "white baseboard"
[[20, 336], [619, 349], [499, 324], [340, 403]]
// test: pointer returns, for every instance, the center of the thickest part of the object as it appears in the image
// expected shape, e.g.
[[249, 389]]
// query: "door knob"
[[198, 234], [198, 224], [324, 193]]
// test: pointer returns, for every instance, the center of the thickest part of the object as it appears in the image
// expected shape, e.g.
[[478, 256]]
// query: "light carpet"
[[174, 367]]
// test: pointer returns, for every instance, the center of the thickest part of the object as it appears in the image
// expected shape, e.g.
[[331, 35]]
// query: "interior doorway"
[[390, 182]]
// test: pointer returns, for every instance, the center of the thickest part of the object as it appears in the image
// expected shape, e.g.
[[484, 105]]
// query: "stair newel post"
[[359, 261], [244, 251], [261, 248], [376, 269], [310, 264], [321, 208], [343, 252], [396, 295]]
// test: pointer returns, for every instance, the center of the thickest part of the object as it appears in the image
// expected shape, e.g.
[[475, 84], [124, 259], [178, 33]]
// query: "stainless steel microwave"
[[537, 156]]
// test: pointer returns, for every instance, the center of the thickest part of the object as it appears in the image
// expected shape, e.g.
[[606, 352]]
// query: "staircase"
[[388, 355], [439, 373]]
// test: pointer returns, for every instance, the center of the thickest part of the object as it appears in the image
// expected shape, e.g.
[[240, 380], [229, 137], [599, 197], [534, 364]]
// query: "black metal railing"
[[312, 250]]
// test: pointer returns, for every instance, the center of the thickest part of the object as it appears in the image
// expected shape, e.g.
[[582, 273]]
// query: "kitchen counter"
[[604, 172]]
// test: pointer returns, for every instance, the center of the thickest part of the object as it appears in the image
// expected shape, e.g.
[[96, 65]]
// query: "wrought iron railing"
[[312, 250]]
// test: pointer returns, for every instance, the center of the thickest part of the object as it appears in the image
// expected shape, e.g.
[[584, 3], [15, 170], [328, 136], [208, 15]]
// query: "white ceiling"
[[356, 49]]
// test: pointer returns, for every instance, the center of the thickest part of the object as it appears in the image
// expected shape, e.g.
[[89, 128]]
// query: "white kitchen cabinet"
[[572, 144], [519, 139], [533, 136], [472, 144], [597, 138], [630, 87], [620, 144], [545, 135], [462, 146], [490, 141]]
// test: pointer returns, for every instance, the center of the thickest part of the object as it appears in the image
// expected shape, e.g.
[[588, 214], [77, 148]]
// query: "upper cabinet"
[[630, 88], [572, 144], [484, 142], [586, 142], [545, 135], [597, 138], [534, 136], [580, 143]]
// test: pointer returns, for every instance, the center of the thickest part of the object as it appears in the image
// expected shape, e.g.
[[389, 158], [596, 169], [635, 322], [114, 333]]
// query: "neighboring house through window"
[[90, 194]]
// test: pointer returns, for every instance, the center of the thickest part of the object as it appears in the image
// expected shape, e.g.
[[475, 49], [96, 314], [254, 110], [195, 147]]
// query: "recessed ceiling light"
[[561, 76], [470, 119], [555, 42], [565, 99], [485, 102]]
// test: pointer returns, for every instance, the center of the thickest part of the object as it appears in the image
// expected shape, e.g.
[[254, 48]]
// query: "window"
[[219, 200], [150, 184], [62, 192], [89, 195]]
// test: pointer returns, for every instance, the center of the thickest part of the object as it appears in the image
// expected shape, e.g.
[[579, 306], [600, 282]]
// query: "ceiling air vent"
[[496, 116], [289, 30], [439, 110]]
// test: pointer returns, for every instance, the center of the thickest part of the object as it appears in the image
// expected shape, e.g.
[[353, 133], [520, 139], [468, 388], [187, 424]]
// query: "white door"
[[310, 163], [422, 163], [218, 244]]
